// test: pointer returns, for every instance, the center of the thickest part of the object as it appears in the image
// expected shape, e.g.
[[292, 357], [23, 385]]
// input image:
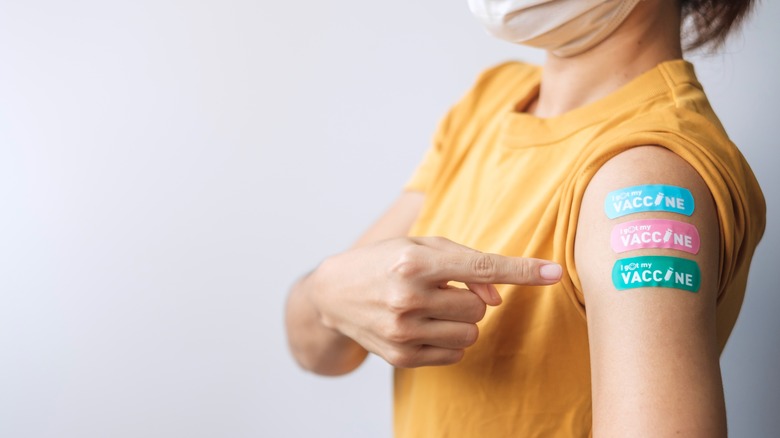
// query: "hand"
[[394, 298]]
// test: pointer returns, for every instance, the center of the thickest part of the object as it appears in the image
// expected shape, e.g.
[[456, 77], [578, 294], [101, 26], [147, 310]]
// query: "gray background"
[[168, 168]]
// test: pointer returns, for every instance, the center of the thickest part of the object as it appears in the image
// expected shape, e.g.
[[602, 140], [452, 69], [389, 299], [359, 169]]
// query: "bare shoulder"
[[644, 163]]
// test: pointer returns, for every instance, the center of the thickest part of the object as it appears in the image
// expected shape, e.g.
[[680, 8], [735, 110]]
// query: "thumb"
[[487, 292]]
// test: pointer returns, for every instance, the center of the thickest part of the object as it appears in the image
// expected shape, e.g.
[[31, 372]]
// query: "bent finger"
[[448, 334], [424, 355], [487, 292], [455, 304]]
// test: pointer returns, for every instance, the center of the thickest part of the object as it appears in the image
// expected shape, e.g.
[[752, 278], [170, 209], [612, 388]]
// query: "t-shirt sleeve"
[[455, 121], [426, 171]]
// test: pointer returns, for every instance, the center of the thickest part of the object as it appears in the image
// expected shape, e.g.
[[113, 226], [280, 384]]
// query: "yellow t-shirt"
[[503, 181]]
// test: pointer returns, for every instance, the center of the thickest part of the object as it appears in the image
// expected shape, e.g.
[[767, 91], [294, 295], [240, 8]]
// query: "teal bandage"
[[656, 271], [653, 197]]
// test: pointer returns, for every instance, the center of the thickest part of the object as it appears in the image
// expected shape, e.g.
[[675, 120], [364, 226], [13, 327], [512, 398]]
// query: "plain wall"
[[168, 168]]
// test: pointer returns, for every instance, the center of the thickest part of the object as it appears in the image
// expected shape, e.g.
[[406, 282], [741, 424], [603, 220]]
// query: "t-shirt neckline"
[[520, 125]]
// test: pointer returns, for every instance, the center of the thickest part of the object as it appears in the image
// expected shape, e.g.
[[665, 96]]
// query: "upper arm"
[[654, 352]]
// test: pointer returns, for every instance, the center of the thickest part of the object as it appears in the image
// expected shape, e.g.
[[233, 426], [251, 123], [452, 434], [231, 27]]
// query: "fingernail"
[[551, 271]]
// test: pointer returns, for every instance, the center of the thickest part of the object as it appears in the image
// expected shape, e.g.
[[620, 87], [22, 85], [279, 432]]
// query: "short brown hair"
[[708, 22]]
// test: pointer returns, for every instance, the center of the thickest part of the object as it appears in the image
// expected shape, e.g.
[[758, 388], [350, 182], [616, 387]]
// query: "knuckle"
[[409, 263], [439, 240], [401, 302], [399, 358], [327, 321], [394, 357], [523, 269], [399, 333], [483, 266]]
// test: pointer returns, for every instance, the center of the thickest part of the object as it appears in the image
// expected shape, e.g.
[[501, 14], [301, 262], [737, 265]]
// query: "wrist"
[[316, 291]]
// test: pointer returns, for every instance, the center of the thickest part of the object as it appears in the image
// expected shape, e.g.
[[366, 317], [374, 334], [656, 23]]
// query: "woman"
[[608, 160]]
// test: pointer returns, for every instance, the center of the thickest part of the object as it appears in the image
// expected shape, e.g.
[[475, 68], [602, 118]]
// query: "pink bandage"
[[655, 233]]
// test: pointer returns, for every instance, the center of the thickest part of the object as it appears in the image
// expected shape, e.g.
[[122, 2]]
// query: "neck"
[[648, 36]]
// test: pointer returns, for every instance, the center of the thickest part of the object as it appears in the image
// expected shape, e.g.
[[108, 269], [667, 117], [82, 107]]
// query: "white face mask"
[[564, 27]]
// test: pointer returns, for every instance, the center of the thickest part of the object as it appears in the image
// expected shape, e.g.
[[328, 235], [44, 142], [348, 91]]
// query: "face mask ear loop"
[[626, 6]]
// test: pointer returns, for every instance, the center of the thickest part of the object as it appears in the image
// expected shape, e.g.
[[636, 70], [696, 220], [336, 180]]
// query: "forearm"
[[317, 348]]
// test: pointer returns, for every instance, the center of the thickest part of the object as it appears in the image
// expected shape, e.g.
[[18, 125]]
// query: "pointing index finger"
[[493, 268]]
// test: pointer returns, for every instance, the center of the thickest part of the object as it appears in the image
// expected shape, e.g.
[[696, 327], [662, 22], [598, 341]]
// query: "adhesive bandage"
[[653, 197], [656, 271], [655, 233]]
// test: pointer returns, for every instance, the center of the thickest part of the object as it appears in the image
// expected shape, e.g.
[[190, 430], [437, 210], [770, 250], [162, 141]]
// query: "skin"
[[389, 295], [654, 352]]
